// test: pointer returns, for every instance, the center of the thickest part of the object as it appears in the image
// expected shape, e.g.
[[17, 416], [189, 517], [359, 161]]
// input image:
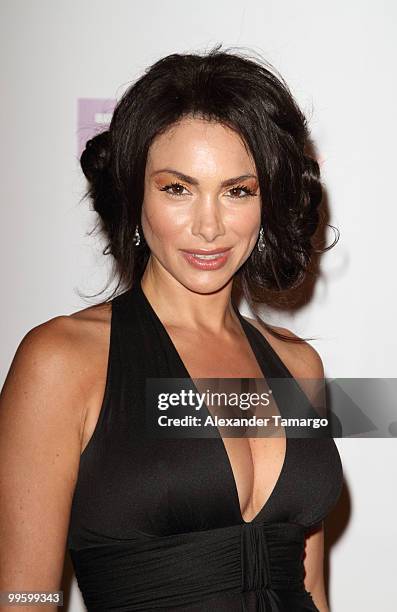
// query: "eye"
[[242, 188], [174, 189]]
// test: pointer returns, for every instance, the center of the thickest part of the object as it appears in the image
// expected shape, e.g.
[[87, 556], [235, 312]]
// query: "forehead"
[[198, 145]]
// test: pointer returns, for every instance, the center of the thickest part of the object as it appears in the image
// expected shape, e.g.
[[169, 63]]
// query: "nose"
[[208, 222]]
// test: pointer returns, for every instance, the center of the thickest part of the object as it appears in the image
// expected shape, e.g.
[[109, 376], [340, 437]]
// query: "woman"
[[202, 185]]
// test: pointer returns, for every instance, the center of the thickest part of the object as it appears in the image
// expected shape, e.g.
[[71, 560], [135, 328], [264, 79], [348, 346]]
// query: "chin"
[[208, 283]]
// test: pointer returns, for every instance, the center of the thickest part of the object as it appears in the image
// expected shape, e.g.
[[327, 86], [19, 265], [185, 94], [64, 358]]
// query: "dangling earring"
[[261, 241], [137, 238]]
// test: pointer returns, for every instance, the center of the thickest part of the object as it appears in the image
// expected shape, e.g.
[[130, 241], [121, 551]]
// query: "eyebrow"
[[192, 181]]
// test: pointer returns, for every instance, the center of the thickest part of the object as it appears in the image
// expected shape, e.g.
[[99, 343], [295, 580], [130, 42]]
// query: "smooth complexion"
[[57, 378], [202, 195]]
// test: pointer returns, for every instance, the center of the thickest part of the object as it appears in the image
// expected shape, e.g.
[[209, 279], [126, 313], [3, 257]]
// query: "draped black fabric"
[[157, 525]]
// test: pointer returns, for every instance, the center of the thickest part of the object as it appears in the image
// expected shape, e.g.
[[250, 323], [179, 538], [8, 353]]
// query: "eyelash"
[[248, 192]]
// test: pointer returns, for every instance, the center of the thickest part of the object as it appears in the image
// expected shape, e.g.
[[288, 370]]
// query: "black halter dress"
[[157, 525]]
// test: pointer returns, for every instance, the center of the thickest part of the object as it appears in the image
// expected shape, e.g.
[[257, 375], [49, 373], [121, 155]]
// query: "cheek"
[[162, 222], [246, 222]]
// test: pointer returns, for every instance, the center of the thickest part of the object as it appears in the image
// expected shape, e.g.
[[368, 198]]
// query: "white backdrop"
[[339, 61]]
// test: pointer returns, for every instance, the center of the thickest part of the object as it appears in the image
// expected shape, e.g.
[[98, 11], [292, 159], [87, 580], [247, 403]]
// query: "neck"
[[180, 307]]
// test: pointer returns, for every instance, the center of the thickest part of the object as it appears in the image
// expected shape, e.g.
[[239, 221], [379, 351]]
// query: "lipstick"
[[205, 259]]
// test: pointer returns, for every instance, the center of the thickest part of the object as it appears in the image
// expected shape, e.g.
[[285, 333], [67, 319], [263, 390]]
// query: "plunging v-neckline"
[[245, 325]]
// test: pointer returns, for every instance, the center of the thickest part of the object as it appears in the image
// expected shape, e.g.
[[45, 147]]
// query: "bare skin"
[[53, 393], [248, 456], [81, 343], [256, 462]]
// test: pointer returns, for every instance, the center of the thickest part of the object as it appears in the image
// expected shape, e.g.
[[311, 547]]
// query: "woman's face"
[[201, 194]]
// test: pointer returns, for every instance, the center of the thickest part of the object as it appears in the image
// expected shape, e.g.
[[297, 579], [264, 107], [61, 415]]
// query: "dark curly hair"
[[242, 94]]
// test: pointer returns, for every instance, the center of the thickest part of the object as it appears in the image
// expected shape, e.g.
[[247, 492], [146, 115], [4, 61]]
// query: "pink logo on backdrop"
[[93, 117]]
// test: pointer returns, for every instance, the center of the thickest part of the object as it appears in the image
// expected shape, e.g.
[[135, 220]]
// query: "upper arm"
[[306, 366], [41, 416], [314, 567], [302, 358], [304, 363]]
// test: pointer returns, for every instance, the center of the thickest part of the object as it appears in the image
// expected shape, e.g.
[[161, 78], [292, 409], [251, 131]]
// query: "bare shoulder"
[[301, 358], [66, 350], [42, 412], [67, 336]]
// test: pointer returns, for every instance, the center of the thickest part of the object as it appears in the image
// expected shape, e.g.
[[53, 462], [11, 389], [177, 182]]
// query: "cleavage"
[[255, 461], [256, 464]]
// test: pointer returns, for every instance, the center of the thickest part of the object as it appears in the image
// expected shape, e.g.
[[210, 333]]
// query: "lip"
[[206, 264], [206, 251]]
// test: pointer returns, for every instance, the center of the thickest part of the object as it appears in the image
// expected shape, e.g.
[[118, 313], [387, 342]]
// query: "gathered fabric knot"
[[255, 564], [247, 567]]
